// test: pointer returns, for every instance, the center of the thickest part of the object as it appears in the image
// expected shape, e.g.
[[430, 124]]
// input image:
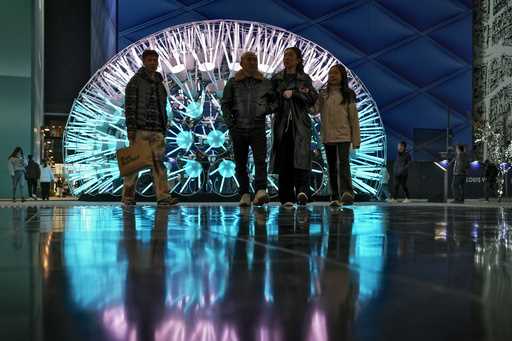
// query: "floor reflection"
[[228, 273]]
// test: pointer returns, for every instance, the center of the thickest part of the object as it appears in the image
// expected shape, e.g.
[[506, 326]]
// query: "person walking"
[[401, 172], [339, 132], [246, 101], [16, 164], [46, 180], [32, 173], [460, 165], [291, 150], [146, 120], [491, 175]]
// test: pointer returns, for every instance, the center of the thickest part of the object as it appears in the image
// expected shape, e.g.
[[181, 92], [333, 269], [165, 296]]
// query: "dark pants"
[[45, 190], [489, 188], [32, 187], [401, 181], [458, 187], [257, 141], [292, 181], [339, 168]]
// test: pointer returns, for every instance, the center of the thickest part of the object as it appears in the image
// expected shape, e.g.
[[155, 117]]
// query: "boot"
[[245, 201]]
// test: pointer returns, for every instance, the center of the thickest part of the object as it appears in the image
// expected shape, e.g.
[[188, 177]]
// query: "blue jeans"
[[17, 181]]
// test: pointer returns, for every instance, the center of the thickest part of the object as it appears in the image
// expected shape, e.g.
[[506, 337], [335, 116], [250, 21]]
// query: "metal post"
[[447, 146]]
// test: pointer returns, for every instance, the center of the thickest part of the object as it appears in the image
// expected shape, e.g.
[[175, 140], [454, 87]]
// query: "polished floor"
[[218, 272]]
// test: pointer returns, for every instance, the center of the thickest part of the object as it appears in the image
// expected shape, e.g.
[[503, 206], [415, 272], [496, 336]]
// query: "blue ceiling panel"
[[449, 92], [421, 62], [415, 57], [262, 11], [453, 37], [145, 10], [375, 78], [312, 9], [332, 43], [424, 14], [364, 26]]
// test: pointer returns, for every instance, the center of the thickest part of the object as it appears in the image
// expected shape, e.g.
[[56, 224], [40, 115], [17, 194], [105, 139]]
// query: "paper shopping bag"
[[134, 158]]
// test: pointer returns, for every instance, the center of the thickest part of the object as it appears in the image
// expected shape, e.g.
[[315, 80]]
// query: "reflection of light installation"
[[367, 249], [88, 252], [196, 59]]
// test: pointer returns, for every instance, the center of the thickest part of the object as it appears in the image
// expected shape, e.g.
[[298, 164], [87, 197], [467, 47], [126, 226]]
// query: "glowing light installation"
[[196, 59]]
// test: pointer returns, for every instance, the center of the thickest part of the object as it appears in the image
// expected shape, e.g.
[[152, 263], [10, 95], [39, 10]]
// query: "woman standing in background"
[[16, 164]]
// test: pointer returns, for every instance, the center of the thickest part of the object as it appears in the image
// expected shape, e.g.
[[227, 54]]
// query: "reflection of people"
[[246, 101], [401, 171], [340, 130], [33, 172], [291, 151], [46, 179], [16, 166], [146, 120], [145, 280], [460, 166], [490, 174]]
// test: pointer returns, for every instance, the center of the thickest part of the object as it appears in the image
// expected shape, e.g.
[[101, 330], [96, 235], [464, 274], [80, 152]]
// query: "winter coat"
[[402, 163], [32, 170], [137, 97], [246, 101], [491, 172], [16, 164], [340, 122], [460, 164], [46, 174], [293, 113]]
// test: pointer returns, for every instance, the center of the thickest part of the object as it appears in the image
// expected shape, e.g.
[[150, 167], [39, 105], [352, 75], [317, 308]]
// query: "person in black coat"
[[401, 171], [491, 175], [32, 173], [291, 151]]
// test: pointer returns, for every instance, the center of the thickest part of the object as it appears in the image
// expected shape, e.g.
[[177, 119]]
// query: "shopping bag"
[[134, 158]]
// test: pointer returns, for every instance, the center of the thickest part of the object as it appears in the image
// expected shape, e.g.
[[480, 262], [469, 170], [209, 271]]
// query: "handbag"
[[134, 158]]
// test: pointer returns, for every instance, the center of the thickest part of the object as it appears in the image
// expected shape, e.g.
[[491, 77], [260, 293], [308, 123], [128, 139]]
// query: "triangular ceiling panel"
[[362, 28]]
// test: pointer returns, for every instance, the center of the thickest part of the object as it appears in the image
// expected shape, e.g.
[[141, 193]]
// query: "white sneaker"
[[406, 201], [245, 201], [390, 200], [302, 198]]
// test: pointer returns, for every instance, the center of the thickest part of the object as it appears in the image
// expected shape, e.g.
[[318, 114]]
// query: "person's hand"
[[288, 94], [304, 90], [131, 136]]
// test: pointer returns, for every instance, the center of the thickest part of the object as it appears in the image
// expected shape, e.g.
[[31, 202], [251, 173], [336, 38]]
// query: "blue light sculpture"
[[196, 59]]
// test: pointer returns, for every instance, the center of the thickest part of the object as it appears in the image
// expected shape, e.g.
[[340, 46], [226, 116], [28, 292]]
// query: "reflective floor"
[[218, 272]]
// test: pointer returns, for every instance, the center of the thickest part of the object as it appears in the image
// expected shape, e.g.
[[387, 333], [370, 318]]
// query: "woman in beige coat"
[[339, 130]]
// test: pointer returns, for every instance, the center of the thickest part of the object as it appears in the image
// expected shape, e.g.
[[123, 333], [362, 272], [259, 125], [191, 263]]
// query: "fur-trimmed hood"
[[242, 74]]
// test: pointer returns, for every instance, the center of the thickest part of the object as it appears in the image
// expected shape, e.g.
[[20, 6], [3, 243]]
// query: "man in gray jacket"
[[246, 101], [146, 119]]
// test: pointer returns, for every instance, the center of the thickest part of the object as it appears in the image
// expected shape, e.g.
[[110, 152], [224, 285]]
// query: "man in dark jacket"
[[490, 174], [146, 119], [460, 166], [401, 171], [32, 173], [246, 101]]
